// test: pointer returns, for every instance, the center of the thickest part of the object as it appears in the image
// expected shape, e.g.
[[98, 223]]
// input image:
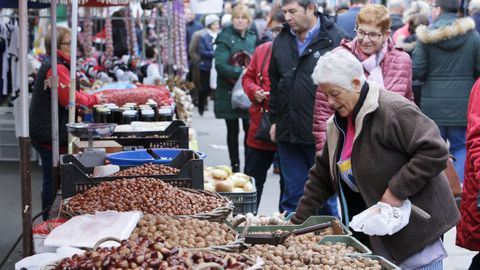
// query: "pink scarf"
[[372, 63]]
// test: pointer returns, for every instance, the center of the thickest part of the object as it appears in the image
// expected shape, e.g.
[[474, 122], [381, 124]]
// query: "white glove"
[[382, 219]]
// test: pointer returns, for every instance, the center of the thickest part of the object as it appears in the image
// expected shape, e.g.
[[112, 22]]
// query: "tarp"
[[30, 4]]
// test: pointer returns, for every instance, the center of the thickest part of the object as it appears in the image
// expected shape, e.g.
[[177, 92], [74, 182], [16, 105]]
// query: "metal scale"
[[91, 157]]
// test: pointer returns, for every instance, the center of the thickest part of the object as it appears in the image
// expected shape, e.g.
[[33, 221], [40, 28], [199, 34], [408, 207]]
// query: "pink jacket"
[[397, 77]]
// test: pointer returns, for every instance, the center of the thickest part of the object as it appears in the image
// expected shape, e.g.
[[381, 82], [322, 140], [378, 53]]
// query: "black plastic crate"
[[245, 202], [174, 136], [77, 178]]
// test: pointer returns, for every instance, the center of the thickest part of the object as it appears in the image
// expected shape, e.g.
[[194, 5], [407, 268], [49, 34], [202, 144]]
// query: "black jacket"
[[292, 94], [41, 109]]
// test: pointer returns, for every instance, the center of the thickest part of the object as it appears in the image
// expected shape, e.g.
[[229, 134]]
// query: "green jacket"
[[395, 146], [447, 59], [228, 42]]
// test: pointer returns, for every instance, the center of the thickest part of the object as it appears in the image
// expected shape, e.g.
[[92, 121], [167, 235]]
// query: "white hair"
[[474, 6], [338, 67]]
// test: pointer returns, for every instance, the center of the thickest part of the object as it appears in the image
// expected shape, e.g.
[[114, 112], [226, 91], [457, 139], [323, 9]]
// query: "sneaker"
[[235, 167]]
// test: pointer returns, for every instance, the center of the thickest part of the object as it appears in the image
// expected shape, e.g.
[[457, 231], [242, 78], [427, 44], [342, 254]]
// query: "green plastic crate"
[[349, 241], [386, 265], [339, 228]]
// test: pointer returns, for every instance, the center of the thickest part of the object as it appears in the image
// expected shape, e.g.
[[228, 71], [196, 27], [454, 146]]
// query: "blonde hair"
[[62, 32], [377, 15], [242, 10]]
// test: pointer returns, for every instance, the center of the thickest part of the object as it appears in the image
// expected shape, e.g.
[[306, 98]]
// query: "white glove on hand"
[[382, 219]]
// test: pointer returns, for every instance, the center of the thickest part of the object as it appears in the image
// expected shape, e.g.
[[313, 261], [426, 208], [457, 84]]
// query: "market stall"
[[149, 202]]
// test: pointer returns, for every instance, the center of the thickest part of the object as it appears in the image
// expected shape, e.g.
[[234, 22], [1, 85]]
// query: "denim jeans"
[[47, 186], [456, 136], [295, 163]]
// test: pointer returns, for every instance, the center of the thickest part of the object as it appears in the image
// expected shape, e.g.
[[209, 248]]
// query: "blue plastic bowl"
[[139, 157]]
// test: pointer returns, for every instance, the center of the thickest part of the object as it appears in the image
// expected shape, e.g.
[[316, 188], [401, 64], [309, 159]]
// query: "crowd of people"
[[365, 105]]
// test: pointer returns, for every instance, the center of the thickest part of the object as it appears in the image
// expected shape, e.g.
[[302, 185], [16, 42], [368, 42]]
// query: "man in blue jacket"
[[295, 52]]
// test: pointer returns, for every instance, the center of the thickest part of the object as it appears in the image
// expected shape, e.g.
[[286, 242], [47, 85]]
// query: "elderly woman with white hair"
[[380, 148]]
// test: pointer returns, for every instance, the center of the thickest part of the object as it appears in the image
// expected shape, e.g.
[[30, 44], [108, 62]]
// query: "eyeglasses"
[[66, 43], [373, 36], [276, 30]]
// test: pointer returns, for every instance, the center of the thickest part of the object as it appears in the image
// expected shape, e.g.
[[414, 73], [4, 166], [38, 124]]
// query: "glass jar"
[[96, 115], [129, 116], [165, 114], [105, 115], [147, 115]]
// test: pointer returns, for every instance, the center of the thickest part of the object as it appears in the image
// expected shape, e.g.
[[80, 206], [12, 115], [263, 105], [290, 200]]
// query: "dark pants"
[[47, 187], [417, 93], [233, 130], [475, 262], [257, 164], [295, 163], [204, 90], [456, 135]]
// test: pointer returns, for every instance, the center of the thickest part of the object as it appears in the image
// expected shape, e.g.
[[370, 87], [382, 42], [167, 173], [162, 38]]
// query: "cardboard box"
[[109, 146]]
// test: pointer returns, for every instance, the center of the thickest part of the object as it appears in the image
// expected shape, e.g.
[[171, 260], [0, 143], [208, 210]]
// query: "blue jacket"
[[206, 52], [347, 20]]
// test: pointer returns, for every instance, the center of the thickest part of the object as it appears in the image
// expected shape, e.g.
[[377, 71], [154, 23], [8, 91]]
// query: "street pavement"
[[211, 137]]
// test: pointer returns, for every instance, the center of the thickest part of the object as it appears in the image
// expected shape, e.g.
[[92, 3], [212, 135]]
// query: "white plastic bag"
[[213, 76], [382, 219], [87, 230], [239, 98]]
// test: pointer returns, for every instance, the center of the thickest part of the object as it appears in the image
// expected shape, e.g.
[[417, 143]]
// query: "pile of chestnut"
[[147, 169], [148, 195]]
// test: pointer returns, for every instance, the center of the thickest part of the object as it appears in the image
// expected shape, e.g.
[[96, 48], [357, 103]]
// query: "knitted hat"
[[211, 19]]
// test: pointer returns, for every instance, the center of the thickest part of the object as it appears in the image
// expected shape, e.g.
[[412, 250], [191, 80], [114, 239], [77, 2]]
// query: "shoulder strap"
[[260, 73]]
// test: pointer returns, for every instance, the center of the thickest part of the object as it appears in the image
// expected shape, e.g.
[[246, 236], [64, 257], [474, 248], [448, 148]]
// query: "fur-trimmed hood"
[[448, 32]]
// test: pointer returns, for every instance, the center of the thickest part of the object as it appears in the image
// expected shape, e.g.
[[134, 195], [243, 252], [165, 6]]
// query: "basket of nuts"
[[144, 253], [151, 196], [185, 170], [188, 233]]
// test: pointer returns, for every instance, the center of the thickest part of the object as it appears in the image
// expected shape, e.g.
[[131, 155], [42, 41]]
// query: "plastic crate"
[[139, 157], [348, 240], [174, 136], [338, 227], [245, 202], [77, 178], [386, 264]]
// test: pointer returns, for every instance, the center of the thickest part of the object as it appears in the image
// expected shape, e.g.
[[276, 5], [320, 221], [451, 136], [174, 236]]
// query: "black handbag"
[[263, 131]]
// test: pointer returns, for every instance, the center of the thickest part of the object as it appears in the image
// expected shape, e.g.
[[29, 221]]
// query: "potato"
[[224, 186], [248, 187], [219, 174]]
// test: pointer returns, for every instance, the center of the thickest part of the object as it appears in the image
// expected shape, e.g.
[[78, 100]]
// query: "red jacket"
[[397, 77], [468, 229], [81, 98], [251, 83]]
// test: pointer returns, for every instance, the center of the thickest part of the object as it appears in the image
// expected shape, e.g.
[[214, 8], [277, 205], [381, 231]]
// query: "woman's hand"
[[101, 99], [260, 95], [390, 198]]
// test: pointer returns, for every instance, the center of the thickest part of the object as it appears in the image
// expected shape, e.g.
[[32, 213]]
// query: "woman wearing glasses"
[[40, 109], [382, 62]]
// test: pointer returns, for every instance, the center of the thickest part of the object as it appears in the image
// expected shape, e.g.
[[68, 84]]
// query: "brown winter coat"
[[398, 147]]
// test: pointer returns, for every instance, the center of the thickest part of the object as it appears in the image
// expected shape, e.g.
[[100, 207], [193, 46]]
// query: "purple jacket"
[[397, 77]]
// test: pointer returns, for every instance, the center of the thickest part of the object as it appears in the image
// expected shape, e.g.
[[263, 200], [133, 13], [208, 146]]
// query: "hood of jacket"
[[447, 32]]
